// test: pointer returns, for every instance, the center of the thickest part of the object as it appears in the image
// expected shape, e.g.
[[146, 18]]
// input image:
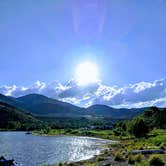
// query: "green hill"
[[15, 119]]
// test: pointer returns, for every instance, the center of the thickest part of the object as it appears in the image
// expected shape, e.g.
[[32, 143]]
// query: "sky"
[[44, 40]]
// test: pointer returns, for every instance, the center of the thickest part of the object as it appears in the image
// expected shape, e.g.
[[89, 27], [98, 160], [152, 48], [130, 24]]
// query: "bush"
[[71, 164], [46, 130], [131, 159], [119, 157], [139, 158], [117, 131], [90, 164], [136, 158], [60, 164], [74, 132], [142, 163], [155, 160], [139, 128], [163, 146], [99, 158]]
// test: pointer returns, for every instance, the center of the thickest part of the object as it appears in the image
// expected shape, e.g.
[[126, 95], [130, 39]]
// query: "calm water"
[[30, 150]]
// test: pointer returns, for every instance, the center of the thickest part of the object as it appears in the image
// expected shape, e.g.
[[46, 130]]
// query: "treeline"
[[76, 122], [141, 125]]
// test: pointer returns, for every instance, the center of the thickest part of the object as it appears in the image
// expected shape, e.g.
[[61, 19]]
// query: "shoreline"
[[115, 151], [100, 145], [104, 157]]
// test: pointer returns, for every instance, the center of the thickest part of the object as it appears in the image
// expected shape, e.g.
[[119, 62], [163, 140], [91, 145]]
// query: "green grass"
[[163, 157], [157, 137], [90, 164], [122, 150], [105, 134]]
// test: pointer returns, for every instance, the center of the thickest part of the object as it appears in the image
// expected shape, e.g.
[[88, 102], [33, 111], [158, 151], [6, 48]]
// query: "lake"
[[31, 150]]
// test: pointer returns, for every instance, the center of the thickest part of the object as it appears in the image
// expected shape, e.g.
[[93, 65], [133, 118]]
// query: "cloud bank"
[[141, 94]]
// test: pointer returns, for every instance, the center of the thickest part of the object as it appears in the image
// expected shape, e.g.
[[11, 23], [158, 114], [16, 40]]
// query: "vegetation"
[[119, 156], [146, 131], [140, 133], [135, 158], [77, 122], [155, 160], [141, 125], [12, 118]]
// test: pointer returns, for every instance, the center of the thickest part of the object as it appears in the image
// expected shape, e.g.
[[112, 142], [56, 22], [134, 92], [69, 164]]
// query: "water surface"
[[31, 150]]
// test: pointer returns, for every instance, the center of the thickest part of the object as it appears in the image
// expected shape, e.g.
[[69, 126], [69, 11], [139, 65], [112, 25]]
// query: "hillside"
[[40, 105], [15, 119], [103, 110], [152, 118], [12, 101]]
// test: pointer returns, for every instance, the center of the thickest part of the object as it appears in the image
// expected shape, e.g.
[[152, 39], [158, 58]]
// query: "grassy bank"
[[104, 134], [121, 151]]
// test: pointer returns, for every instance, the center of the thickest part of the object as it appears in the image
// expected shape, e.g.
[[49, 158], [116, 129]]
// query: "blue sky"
[[45, 39]]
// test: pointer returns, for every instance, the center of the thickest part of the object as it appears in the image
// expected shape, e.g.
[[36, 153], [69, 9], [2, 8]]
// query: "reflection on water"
[[30, 150]]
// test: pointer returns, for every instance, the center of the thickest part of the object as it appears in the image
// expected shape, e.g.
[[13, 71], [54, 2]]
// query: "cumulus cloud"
[[141, 94]]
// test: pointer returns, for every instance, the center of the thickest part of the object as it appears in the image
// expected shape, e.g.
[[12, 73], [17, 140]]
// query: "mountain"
[[40, 105], [122, 113], [13, 118], [12, 101]]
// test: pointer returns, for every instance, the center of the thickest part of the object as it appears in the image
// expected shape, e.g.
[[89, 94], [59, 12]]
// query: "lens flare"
[[86, 73]]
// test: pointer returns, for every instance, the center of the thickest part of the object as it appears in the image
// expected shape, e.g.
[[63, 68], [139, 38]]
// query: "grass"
[[156, 160], [121, 151], [135, 158], [105, 134], [90, 164]]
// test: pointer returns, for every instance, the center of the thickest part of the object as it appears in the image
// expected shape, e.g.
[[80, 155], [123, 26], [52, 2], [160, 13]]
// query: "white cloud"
[[141, 94]]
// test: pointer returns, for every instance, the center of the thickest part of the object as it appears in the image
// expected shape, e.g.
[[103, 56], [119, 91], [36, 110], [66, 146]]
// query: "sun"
[[86, 73]]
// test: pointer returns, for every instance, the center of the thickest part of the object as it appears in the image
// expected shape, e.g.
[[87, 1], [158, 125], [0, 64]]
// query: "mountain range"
[[39, 105]]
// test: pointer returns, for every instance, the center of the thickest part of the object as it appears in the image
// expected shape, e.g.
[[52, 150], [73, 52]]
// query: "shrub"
[[131, 159], [117, 131], [163, 146], [106, 152], [139, 158], [71, 164], [99, 158], [142, 163], [119, 157], [155, 160], [141, 148], [60, 164], [46, 130], [139, 128], [68, 130], [90, 164], [74, 132], [136, 158]]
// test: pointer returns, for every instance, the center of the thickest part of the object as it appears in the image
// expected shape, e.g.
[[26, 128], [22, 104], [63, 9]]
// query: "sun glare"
[[86, 73]]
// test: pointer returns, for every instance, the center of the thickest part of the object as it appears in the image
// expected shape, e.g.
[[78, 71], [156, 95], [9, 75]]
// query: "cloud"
[[141, 94]]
